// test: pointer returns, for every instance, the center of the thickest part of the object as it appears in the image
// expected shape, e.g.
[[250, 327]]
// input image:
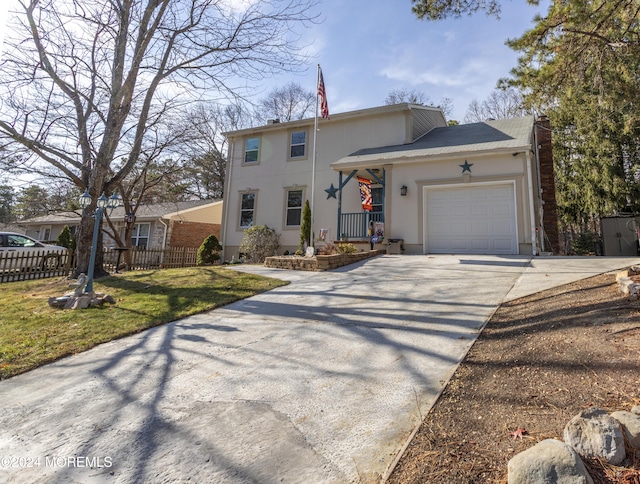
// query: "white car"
[[19, 252]]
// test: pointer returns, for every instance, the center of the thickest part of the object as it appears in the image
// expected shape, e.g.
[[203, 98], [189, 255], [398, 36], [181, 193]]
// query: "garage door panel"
[[471, 220]]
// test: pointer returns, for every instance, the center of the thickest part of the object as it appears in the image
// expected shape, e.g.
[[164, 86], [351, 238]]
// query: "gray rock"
[[594, 433], [636, 410], [630, 425], [549, 461]]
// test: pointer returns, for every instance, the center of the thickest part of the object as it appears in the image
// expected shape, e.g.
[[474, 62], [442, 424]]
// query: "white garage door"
[[471, 220]]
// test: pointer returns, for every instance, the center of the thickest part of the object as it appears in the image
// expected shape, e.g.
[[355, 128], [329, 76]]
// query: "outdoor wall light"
[[403, 190]]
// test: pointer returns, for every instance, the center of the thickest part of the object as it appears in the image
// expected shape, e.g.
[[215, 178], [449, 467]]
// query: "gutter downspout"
[[534, 248], [540, 189], [225, 198], [164, 240]]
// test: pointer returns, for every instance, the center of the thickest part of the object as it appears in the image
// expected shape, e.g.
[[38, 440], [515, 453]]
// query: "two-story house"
[[481, 188]]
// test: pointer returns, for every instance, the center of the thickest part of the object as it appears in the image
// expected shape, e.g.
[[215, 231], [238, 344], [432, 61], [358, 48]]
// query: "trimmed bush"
[[346, 249], [209, 251], [258, 243]]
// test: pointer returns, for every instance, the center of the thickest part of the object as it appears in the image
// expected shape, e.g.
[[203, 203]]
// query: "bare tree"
[[205, 152], [87, 83], [416, 97], [501, 104], [286, 103]]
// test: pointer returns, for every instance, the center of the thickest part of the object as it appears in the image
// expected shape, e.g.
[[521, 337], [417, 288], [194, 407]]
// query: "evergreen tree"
[[305, 228], [579, 65]]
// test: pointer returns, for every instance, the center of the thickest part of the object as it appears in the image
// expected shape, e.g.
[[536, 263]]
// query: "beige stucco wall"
[[405, 218]]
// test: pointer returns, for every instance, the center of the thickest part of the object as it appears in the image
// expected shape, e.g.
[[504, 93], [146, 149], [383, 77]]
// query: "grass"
[[32, 333]]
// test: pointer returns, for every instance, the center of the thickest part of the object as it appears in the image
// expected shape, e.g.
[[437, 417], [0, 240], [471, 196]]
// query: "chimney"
[[547, 184]]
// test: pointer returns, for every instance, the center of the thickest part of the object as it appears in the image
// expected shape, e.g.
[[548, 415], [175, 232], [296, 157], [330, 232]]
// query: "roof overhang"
[[356, 162]]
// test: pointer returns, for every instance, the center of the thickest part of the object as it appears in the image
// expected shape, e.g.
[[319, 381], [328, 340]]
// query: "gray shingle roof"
[[145, 212], [499, 135]]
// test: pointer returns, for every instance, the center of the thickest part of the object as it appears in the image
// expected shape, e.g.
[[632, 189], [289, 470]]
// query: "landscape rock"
[[594, 433], [548, 461], [630, 425], [636, 410]]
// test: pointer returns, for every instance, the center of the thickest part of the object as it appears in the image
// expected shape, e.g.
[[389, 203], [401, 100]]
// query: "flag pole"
[[313, 158]]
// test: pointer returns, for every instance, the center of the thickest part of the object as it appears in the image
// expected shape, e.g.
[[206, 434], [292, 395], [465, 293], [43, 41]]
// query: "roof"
[[435, 112], [144, 212], [504, 135]]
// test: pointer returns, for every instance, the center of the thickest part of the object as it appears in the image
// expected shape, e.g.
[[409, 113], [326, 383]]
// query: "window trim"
[[285, 204], [244, 151], [135, 234], [241, 194], [290, 144]]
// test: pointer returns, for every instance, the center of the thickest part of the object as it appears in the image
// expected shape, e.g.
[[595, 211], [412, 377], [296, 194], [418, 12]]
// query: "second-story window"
[[251, 150], [298, 148]]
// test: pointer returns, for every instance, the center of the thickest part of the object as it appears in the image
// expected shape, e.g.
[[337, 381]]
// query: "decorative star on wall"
[[466, 166], [331, 192]]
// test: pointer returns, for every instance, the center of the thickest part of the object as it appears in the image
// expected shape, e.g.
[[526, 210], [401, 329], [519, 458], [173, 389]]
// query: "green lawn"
[[32, 333]]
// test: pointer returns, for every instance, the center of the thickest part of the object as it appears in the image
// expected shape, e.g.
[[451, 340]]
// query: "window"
[[20, 241], [45, 233], [251, 150], [247, 209], [140, 235], [294, 208], [298, 147], [376, 199]]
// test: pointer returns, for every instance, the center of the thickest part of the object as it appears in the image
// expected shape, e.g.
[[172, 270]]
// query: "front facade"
[[440, 189]]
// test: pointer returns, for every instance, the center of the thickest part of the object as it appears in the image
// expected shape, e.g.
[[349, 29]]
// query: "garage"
[[471, 220]]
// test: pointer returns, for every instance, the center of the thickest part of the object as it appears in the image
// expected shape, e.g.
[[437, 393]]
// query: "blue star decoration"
[[331, 192], [466, 166]]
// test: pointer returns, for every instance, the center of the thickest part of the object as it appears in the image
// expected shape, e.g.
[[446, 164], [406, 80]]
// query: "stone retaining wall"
[[319, 262]]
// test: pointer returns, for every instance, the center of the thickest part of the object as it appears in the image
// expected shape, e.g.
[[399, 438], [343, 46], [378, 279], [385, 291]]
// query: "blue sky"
[[369, 48]]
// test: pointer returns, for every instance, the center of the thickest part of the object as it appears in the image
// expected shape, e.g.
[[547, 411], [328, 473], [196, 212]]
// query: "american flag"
[[365, 194], [324, 107]]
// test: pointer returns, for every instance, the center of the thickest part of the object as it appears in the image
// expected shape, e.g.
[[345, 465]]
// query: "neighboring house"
[[481, 188], [157, 226]]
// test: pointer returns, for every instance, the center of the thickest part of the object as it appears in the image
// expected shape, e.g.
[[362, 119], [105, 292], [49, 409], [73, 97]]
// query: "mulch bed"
[[539, 361]]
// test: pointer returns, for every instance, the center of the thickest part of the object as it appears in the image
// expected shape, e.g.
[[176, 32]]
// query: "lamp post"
[[103, 202]]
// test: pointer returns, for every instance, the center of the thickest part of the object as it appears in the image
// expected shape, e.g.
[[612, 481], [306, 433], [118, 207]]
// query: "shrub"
[[258, 243], [586, 243], [65, 239], [209, 251], [305, 227], [346, 249]]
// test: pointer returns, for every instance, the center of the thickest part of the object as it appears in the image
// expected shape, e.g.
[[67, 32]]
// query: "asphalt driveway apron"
[[322, 380]]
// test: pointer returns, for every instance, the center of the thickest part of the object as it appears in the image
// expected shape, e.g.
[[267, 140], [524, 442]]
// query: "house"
[[481, 188], [157, 226]]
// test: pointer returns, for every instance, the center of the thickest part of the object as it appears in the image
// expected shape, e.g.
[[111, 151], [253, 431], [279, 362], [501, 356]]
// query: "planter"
[[319, 262]]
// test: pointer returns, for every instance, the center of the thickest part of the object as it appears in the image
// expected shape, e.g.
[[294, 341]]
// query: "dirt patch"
[[539, 361]]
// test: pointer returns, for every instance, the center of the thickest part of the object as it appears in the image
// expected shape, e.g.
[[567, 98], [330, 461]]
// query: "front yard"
[[32, 333]]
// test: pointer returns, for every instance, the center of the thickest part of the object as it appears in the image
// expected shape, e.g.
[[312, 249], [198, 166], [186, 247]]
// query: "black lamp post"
[[103, 202]]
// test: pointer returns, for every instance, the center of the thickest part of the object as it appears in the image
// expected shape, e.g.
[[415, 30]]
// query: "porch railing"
[[355, 225]]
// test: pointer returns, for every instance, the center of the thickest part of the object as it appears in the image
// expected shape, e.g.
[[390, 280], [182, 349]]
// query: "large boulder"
[[595, 433], [630, 425], [548, 461]]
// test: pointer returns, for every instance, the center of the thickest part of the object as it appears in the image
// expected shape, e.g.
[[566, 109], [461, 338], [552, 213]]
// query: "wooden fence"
[[57, 263]]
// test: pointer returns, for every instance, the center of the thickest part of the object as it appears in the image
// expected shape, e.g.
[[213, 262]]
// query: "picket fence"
[[57, 263]]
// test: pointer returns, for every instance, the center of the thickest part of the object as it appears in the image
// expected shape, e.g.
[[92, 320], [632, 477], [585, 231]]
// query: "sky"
[[367, 48]]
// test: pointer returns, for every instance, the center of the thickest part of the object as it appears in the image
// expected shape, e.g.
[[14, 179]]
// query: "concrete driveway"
[[323, 380]]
